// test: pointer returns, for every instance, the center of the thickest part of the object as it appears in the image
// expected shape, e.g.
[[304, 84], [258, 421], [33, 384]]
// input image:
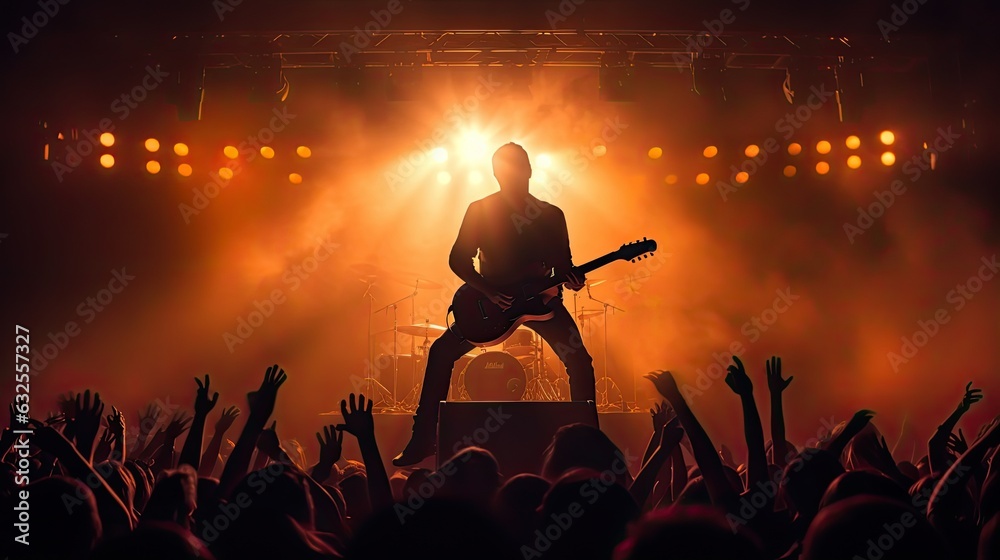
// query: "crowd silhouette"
[[102, 489]]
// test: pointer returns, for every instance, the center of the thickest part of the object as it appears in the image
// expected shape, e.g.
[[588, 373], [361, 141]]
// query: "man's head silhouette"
[[511, 167]]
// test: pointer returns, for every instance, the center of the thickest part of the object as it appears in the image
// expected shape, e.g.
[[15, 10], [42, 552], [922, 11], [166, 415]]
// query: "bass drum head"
[[494, 376]]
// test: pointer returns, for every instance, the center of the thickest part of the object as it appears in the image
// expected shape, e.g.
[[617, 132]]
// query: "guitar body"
[[483, 323]]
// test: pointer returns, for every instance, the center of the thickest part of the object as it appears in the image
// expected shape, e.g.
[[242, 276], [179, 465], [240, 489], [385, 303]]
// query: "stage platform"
[[629, 430]]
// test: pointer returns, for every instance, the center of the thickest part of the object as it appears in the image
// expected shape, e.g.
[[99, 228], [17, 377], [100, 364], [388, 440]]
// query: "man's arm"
[[465, 249], [562, 256]]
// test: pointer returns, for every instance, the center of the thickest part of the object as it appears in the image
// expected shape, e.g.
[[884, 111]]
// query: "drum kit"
[[520, 369]]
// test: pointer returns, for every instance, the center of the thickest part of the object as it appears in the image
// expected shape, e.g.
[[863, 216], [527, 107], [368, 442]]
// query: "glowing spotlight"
[[794, 149], [439, 155], [852, 142], [888, 158], [107, 139], [544, 161], [231, 152], [854, 162], [295, 178], [671, 179], [710, 152], [304, 151], [153, 166], [789, 171], [702, 179], [822, 168], [823, 147], [742, 177], [600, 150], [540, 176], [226, 173], [184, 169], [655, 152], [887, 137], [443, 177], [181, 149], [107, 161], [752, 150], [475, 177], [474, 146], [152, 144], [267, 152]]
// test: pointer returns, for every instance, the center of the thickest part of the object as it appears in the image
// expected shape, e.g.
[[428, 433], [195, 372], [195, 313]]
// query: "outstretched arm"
[[775, 387], [261, 406], [937, 447], [857, 423], [211, 456], [740, 383], [708, 460], [358, 421], [330, 450], [191, 452], [669, 438], [165, 456], [949, 490]]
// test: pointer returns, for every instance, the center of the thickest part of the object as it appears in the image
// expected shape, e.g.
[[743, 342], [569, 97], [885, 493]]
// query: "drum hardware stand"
[[373, 387], [603, 395], [394, 404]]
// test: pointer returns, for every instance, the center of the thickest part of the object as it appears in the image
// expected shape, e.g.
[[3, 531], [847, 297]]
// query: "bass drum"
[[493, 376]]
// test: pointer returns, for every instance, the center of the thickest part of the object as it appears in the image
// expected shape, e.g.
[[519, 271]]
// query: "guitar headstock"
[[637, 250]]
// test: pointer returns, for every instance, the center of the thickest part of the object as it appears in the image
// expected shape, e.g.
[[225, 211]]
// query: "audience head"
[[472, 475], [64, 519], [154, 540], [583, 446], [517, 502], [806, 479], [688, 533], [863, 483]]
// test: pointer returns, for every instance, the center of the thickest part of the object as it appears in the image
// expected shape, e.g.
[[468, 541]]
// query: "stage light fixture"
[[231, 152], [752, 150], [107, 161], [710, 152], [854, 162], [295, 179], [887, 137], [152, 144], [852, 142], [702, 179], [439, 155], [267, 152], [655, 152], [107, 139], [823, 147], [303, 152], [226, 173], [184, 170], [671, 179], [181, 149], [822, 168], [794, 149], [600, 150], [544, 161], [789, 171], [153, 167], [888, 158], [742, 177]]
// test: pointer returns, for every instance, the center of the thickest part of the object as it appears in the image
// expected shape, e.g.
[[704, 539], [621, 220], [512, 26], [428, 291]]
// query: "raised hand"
[[661, 414], [858, 422], [202, 404], [665, 384], [971, 397], [87, 420], [268, 442], [177, 426], [738, 380], [226, 420], [148, 419], [670, 436], [957, 443], [775, 384], [262, 400], [116, 424], [358, 420], [331, 443]]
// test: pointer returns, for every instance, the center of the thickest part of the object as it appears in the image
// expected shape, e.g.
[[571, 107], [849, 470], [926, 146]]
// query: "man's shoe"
[[418, 449]]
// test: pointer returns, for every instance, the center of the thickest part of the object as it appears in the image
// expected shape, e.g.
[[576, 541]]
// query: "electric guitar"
[[483, 323]]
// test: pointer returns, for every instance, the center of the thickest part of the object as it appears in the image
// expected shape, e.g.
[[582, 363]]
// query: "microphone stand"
[[394, 406], [607, 306]]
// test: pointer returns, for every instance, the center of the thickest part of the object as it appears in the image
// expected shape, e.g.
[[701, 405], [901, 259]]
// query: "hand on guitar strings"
[[576, 282]]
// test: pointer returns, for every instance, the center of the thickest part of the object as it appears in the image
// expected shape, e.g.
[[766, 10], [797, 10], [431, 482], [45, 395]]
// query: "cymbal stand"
[[603, 400], [394, 405], [373, 388]]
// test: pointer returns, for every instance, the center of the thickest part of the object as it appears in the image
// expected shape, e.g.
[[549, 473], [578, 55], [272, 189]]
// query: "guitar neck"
[[585, 268]]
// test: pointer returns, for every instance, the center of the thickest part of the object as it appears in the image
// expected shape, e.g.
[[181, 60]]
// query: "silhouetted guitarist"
[[517, 237]]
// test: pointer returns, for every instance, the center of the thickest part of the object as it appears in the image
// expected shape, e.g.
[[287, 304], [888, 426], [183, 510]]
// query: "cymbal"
[[587, 314], [416, 282], [594, 282], [368, 270], [424, 331]]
